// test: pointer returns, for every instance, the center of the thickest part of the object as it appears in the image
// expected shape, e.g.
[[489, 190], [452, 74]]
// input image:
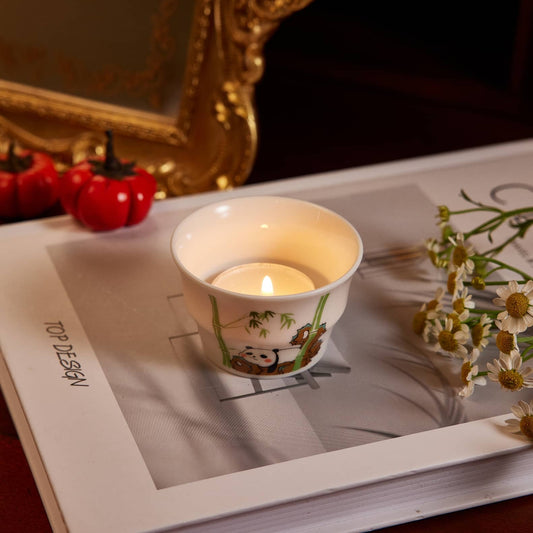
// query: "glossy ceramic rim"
[[213, 206]]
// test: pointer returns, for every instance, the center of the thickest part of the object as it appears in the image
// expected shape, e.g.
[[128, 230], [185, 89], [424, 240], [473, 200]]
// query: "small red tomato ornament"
[[107, 193], [29, 184]]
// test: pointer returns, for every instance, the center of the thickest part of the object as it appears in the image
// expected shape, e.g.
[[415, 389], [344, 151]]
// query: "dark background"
[[351, 83]]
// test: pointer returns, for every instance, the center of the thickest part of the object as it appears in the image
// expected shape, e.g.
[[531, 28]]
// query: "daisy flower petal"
[[518, 303], [508, 372], [523, 423]]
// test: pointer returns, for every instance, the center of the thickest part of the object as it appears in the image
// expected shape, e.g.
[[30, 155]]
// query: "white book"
[[127, 428]]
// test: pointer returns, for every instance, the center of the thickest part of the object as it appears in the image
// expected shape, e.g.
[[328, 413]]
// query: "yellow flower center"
[[459, 305], [511, 379], [432, 305], [476, 333], [456, 322], [526, 426], [450, 285], [444, 213], [478, 283], [433, 257], [465, 370], [505, 342], [517, 304], [460, 255], [446, 341], [419, 322]]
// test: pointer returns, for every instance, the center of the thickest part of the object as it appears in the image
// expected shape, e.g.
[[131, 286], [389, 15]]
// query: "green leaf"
[[286, 320], [266, 315], [254, 324]]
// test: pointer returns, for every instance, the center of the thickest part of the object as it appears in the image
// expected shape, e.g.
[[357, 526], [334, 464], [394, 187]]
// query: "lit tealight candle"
[[264, 279]]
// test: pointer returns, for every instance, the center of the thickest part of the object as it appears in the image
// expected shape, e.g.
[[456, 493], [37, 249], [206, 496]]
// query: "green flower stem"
[[497, 249], [525, 355], [469, 283], [528, 342], [524, 339], [487, 227], [487, 274], [475, 209], [494, 222], [525, 276]]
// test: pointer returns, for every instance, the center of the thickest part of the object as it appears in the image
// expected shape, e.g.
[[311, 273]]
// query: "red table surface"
[[21, 509]]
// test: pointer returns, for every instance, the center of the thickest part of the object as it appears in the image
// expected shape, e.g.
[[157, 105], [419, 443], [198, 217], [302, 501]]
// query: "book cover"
[[128, 428]]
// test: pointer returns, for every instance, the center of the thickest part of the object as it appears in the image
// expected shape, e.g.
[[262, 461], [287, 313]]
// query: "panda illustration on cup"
[[267, 361], [264, 358]]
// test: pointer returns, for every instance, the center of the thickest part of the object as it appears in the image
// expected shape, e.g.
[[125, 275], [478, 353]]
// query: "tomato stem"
[[11, 153], [112, 167], [112, 163], [14, 163]]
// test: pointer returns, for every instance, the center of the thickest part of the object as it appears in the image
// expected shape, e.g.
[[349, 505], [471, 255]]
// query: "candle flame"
[[267, 288]]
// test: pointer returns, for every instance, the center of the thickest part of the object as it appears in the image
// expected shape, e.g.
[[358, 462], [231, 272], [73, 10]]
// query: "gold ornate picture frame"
[[207, 141]]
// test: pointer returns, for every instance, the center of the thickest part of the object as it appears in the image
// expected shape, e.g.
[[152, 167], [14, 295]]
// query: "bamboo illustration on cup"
[[256, 320], [217, 329], [315, 325]]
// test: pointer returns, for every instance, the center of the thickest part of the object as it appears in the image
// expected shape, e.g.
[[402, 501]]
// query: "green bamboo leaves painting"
[[259, 322]]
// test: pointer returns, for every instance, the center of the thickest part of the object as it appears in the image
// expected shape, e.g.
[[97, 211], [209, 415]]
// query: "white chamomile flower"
[[480, 332], [523, 423], [428, 311], [508, 372], [505, 342], [444, 214], [469, 375], [433, 249], [461, 255], [448, 339], [463, 301], [434, 307], [429, 334], [459, 320], [518, 303], [455, 281]]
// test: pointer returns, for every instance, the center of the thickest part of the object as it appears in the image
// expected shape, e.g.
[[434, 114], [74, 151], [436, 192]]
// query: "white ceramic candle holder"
[[265, 335]]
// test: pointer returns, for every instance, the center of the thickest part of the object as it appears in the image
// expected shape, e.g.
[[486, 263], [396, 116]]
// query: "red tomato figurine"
[[29, 184], [107, 193]]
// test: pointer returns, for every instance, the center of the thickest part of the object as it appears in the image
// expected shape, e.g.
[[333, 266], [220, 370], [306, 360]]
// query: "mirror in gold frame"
[[173, 79]]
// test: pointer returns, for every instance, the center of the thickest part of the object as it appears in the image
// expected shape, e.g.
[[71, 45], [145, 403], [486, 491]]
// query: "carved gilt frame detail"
[[210, 144]]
